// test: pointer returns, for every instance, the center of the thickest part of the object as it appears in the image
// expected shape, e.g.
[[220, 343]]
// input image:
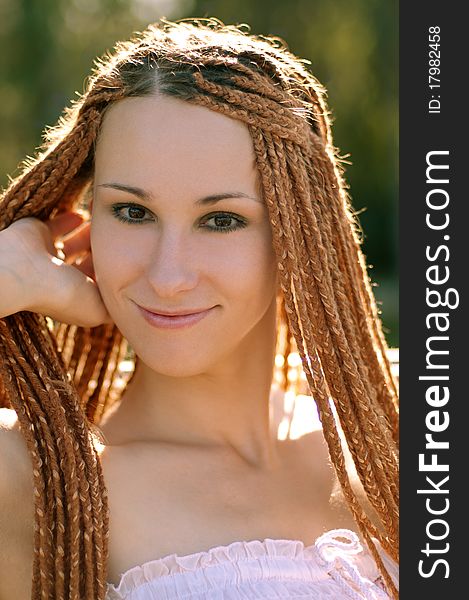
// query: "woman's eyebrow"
[[148, 197]]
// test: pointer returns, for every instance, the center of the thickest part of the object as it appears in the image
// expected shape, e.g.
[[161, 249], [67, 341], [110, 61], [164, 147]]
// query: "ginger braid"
[[336, 453], [62, 456], [61, 379], [70, 541], [313, 231], [363, 319]]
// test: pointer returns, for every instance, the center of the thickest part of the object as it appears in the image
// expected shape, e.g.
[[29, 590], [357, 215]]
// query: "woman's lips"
[[175, 322]]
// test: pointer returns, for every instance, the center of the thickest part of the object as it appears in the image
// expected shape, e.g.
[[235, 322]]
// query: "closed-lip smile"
[[180, 319], [176, 313]]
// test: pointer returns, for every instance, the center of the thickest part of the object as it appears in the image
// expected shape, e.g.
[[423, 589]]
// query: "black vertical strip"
[[434, 258]]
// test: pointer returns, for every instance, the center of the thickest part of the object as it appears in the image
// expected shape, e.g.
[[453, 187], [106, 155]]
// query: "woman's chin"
[[174, 366]]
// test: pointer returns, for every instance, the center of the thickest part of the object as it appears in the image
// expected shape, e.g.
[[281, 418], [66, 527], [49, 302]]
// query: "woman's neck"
[[227, 406]]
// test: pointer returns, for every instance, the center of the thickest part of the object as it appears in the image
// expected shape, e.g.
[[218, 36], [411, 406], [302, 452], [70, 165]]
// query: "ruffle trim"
[[321, 556]]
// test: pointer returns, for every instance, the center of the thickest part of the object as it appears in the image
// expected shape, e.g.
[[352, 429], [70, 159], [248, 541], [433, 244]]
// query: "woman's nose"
[[172, 266]]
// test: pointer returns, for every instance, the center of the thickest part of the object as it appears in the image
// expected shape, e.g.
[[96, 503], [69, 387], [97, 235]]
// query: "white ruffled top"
[[336, 567]]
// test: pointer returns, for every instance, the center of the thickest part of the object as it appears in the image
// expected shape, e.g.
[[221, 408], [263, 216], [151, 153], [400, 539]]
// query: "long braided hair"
[[62, 379]]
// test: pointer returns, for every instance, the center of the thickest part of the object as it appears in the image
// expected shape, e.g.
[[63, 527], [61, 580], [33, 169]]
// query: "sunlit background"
[[47, 48]]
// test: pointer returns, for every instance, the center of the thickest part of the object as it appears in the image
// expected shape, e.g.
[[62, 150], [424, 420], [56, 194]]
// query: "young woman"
[[188, 214]]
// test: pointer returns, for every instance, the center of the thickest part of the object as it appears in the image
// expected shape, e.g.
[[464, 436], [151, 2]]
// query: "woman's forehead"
[[171, 138], [170, 122]]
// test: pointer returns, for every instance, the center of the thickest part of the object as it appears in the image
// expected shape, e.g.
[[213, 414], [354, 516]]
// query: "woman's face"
[[178, 225]]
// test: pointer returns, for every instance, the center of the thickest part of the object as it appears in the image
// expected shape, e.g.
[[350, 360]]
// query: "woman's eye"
[[135, 213], [224, 222]]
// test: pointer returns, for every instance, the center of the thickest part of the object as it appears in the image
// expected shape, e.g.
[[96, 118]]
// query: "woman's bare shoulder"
[[16, 478], [16, 473], [15, 461], [17, 514]]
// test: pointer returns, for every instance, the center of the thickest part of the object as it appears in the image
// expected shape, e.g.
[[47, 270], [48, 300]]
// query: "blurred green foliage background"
[[47, 48]]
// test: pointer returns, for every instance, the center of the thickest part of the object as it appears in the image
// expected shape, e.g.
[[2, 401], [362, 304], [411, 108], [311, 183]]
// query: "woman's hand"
[[46, 267]]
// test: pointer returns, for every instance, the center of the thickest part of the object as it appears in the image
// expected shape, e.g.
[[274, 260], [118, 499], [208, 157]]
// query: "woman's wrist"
[[13, 294]]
